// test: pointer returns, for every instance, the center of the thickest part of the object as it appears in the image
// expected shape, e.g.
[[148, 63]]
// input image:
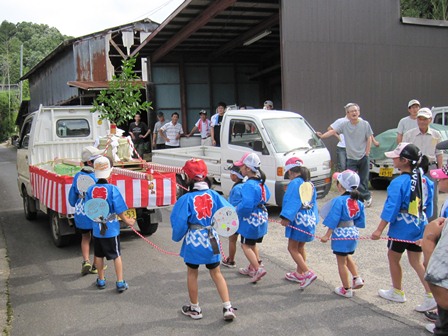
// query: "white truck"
[[52, 138], [274, 135]]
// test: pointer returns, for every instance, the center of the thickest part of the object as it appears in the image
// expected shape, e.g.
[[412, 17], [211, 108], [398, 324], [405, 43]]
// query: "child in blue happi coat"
[[191, 220], [252, 213], [76, 197], [345, 215], [299, 216], [407, 207]]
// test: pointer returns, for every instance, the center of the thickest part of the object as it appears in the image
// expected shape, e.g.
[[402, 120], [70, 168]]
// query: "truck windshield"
[[288, 134]]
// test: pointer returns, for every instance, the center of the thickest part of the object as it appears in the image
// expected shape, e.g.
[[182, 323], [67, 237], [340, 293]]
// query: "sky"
[[83, 17]]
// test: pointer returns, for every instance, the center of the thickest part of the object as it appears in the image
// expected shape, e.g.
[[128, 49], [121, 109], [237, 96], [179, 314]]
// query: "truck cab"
[[275, 136]]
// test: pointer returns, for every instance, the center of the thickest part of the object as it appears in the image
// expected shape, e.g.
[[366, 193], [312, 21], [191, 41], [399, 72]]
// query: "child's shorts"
[[83, 231], [209, 266], [343, 254], [400, 247], [251, 242], [108, 248]]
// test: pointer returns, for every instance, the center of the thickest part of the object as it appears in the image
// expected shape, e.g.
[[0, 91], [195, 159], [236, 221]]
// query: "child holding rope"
[[252, 213], [76, 197], [407, 207], [344, 218], [107, 232], [299, 216], [191, 220]]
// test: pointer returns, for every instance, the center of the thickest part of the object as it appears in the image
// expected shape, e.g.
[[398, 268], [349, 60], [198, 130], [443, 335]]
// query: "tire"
[[55, 223], [30, 213], [144, 224]]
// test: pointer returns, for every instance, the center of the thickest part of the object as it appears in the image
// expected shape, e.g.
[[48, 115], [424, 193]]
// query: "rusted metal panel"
[[90, 59]]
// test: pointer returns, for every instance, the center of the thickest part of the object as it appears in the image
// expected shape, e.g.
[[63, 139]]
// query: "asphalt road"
[[49, 296]]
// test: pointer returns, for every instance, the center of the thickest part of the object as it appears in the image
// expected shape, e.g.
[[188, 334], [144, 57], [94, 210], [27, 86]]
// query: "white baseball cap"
[[102, 167], [250, 160], [348, 179], [413, 102], [425, 113], [90, 153]]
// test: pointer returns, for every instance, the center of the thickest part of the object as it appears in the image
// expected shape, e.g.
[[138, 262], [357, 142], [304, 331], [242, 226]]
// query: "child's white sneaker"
[[348, 293], [428, 304], [358, 282], [392, 295]]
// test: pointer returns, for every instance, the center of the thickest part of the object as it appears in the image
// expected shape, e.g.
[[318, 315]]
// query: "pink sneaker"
[[258, 275], [358, 282], [308, 279], [247, 271], [294, 276]]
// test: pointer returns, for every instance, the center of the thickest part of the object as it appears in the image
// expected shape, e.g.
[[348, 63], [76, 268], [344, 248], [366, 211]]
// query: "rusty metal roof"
[[95, 85], [216, 30]]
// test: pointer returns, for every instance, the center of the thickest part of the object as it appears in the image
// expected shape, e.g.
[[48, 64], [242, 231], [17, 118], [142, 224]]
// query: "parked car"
[[382, 170]]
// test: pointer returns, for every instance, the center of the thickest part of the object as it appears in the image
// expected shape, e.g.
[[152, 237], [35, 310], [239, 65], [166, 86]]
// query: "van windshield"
[[288, 134]]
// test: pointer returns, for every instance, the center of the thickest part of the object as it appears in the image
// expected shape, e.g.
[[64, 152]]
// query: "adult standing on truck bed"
[[172, 131], [216, 121]]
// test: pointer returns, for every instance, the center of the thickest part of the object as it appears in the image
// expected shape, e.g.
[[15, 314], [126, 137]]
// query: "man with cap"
[[76, 197], [157, 140], [409, 122], [426, 139], [268, 105], [203, 125]]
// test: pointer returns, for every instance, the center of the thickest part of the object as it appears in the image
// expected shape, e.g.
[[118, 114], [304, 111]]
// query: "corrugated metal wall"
[[90, 59], [205, 86], [48, 86], [335, 52]]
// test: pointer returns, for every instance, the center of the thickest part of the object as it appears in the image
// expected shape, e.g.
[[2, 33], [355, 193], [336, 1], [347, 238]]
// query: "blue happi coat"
[[403, 225], [76, 198], [116, 204], [300, 217], [196, 208], [252, 212], [344, 212]]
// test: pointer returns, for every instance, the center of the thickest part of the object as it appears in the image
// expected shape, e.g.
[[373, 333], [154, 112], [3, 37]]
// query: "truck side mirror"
[[25, 141]]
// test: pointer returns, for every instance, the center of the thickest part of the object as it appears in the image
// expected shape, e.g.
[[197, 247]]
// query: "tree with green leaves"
[[426, 9], [123, 99]]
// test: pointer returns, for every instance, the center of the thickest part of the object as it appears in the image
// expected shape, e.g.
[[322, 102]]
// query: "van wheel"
[[55, 223], [30, 212]]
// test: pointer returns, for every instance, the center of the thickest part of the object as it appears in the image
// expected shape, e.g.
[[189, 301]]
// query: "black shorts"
[[343, 254], [108, 248], [83, 231], [209, 266], [400, 247], [251, 242]]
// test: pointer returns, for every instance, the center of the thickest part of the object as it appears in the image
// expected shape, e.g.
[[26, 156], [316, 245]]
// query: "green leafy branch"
[[123, 99]]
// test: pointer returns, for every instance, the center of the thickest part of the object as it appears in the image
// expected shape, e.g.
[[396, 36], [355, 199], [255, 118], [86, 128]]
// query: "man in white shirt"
[[172, 131], [426, 139], [409, 122]]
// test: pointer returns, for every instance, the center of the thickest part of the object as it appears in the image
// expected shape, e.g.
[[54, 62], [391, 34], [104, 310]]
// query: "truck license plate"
[[131, 213], [386, 172]]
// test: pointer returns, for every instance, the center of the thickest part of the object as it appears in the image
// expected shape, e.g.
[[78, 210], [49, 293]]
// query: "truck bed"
[[178, 156]]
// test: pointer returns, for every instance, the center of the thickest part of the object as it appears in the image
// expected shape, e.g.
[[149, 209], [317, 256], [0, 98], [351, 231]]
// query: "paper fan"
[[225, 221], [97, 209]]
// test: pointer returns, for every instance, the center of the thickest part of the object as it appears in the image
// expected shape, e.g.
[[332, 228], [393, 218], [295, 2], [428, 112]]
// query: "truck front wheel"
[[144, 222], [29, 209], [55, 222]]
